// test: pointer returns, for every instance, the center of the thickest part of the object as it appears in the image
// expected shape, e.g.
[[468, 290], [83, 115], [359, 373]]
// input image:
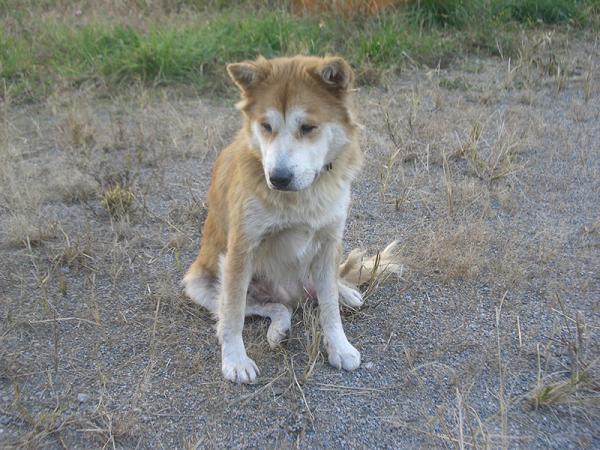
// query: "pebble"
[[83, 398], [278, 390]]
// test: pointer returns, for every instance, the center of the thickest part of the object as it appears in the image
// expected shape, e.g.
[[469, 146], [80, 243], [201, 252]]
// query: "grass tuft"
[[580, 388], [117, 200]]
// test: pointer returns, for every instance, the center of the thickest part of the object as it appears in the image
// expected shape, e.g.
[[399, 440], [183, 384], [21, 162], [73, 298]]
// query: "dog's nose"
[[280, 178]]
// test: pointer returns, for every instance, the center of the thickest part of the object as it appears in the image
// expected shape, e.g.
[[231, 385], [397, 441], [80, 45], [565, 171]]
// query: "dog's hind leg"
[[281, 320], [266, 300], [204, 279], [203, 289]]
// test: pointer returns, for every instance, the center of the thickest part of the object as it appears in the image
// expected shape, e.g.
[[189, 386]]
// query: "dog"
[[277, 207]]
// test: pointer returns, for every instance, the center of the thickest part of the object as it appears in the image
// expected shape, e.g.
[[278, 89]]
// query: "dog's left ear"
[[247, 74], [244, 74], [336, 73]]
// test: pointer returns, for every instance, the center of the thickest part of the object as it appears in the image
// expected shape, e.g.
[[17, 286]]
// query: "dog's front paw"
[[344, 356], [239, 369], [350, 297]]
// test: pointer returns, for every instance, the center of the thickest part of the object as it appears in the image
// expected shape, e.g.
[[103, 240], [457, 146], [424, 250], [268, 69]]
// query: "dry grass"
[[313, 339], [577, 383], [458, 252], [117, 200], [105, 428], [581, 389], [473, 196], [498, 160], [28, 229]]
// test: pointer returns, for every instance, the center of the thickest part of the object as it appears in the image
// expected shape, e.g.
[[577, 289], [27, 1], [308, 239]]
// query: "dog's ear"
[[247, 74], [335, 73]]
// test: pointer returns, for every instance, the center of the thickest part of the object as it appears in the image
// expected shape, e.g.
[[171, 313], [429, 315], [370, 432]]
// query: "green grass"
[[470, 13], [38, 52], [117, 54]]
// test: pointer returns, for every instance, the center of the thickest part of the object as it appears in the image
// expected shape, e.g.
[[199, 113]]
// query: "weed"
[[78, 132], [588, 83], [499, 159], [455, 84], [314, 336], [581, 386], [117, 200], [72, 254], [449, 186], [29, 229], [450, 253]]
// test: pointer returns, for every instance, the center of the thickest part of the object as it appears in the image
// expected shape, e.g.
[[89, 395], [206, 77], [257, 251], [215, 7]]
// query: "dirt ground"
[[488, 174]]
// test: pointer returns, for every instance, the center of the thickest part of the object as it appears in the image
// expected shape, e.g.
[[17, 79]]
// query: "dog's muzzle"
[[281, 179]]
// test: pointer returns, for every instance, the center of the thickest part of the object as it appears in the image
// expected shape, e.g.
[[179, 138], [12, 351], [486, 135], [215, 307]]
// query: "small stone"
[[368, 365], [83, 398], [278, 390]]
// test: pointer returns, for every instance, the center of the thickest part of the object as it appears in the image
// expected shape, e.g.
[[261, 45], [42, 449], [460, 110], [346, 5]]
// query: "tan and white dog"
[[277, 206]]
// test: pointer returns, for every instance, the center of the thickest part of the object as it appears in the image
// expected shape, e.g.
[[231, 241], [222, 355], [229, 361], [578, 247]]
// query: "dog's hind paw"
[[276, 333], [240, 370], [350, 297]]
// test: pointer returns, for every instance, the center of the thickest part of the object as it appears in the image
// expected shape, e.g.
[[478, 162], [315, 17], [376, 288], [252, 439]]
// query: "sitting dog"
[[277, 207]]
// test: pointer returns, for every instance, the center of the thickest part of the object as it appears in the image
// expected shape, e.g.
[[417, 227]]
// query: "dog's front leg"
[[324, 274], [237, 272]]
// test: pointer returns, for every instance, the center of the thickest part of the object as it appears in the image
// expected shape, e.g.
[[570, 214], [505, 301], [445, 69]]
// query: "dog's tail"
[[358, 269]]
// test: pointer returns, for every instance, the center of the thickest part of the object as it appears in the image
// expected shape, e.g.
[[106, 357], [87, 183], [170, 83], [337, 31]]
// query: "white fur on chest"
[[288, 239], [284, 257]]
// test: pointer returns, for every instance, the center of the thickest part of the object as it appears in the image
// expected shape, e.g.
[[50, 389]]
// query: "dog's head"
[[297, 115]]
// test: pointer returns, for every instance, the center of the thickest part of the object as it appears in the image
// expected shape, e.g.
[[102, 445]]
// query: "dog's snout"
[[281, 178]]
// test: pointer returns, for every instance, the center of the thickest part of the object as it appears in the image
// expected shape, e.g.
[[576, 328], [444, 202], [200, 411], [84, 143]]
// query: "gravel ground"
[[488, 174]]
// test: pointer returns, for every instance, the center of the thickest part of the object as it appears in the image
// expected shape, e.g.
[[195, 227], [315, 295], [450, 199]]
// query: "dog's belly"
[[283, 258]]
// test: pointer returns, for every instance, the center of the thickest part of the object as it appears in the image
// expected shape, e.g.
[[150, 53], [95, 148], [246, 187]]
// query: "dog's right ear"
[[247, 74], [335, 73]]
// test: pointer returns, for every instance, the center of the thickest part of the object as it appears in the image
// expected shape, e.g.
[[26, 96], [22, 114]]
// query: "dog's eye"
[[266, 127], [305, 129]]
